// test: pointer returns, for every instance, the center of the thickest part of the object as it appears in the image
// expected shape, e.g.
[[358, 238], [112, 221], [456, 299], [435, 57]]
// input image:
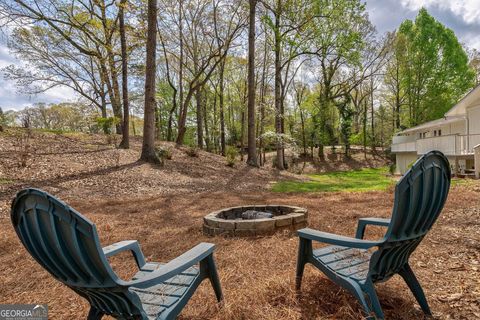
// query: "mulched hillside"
[[87, 166]]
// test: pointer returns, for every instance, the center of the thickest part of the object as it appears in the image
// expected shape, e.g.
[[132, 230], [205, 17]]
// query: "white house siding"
[[404, 159], [474, 119], [458, 127]]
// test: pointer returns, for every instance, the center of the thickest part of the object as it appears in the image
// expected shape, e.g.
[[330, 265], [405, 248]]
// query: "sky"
[[462, 16]]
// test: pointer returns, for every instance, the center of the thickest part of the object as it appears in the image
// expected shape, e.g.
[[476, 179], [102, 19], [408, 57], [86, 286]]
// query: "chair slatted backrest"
[[66, 244], [419, 198]]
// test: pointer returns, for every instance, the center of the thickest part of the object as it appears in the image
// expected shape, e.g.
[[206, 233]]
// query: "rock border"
[[294, 219]]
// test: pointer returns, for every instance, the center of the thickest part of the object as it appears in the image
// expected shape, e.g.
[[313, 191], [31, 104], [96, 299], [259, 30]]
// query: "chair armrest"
[[131, 245], [334, 239], [175, 266], [363, 222]]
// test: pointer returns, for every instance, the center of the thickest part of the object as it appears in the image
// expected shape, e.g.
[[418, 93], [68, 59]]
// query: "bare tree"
[[125, 143], [148, 146], [252, 146]]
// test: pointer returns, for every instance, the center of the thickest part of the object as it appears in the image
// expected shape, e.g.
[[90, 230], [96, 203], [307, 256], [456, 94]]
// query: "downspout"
[[468, 132]]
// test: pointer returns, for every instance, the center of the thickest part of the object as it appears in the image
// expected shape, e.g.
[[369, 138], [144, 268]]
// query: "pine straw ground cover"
[[257, 274]]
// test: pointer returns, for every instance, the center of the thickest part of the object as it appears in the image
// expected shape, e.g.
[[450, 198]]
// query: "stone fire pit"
[[254, 220]]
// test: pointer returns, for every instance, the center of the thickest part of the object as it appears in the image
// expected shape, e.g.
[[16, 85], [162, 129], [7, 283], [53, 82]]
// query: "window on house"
[[435, 133], [439, 132]]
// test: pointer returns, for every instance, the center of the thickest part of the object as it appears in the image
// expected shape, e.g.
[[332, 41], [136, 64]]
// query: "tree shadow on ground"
[[323, 297], [55, 181]]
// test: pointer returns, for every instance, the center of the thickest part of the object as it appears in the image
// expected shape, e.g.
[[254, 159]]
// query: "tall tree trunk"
[[181, 122], [278, 83], [205, 120], [397, 97], [198, 98], [116, 104], [158, 122], [182, 119], [365, 114], [214, 134], [242, 136], [304, 137], [134, 129], [125, 143], [372, 109], [148, 146], [115, 88], [252, 147], [262, 104], [105, 78], [103, 101], [222, 107]]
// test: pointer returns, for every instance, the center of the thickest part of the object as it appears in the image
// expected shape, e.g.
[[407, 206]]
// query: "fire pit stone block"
[[229, 221]]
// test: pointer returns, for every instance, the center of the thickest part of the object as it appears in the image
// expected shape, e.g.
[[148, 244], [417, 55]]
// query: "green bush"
[[192, 152], [164, 153], [231, 155], [107, 123], [392, 168]]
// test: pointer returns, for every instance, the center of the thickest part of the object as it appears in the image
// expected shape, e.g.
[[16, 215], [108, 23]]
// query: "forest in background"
[[257, 75]]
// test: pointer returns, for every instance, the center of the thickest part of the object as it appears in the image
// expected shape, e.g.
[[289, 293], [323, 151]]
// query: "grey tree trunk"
[[125, 143], [222, 107], [252, 146], [278, 83], [148, 146], [198, 98]]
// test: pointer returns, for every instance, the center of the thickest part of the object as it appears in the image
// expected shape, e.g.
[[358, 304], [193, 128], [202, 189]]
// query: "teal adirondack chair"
[[66, 244], [419, 199]]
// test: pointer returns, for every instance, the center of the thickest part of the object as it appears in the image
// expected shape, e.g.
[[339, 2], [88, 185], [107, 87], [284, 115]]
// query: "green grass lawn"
[[368, 179]]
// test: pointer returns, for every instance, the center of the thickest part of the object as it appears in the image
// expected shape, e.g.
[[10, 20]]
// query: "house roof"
[[431, 124], [454, 114], [468, 100]]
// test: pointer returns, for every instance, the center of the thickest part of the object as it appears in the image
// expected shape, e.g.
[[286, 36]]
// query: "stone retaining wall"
[[228, 221]]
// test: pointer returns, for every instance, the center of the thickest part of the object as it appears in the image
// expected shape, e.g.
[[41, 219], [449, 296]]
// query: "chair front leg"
[[373, 299], [208, 266], [304, 253]]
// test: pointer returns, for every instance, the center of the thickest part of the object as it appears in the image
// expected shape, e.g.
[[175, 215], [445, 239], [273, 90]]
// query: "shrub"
[[392, 168], [23, 147], [231, 155], [3, 120], [112, 139], [164, 153], [192, 152], [107, 123]]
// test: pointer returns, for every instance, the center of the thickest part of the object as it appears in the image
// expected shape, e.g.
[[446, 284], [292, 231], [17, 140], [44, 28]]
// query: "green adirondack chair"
[[66, 244], [357, 264]]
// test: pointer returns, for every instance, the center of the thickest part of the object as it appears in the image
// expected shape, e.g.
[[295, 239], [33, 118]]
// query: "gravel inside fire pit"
[[253, 214]]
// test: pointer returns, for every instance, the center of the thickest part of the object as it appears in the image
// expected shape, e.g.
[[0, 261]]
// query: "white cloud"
[[468, 10], [11, 97]]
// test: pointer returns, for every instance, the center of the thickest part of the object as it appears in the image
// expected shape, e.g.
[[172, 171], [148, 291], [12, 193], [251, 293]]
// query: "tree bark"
[[222, 107], [180, 74], [198, 98], [125, 143], [148, 146], [278, 83], [205, 120], [252, 147], [262, 103]]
